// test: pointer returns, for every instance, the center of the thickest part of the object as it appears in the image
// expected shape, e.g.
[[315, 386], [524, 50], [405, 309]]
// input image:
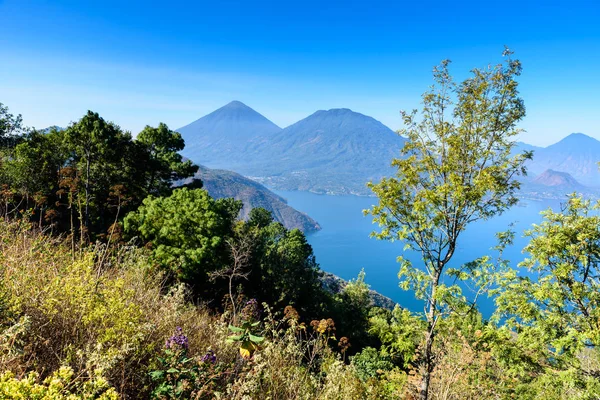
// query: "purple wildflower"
[[177, 341], [210, 357]]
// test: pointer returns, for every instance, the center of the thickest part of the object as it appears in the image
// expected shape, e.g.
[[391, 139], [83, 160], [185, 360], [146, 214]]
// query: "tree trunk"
[[87, 191], [427, 364]]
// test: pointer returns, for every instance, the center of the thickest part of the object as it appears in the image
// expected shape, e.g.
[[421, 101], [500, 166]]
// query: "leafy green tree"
[[161, 162], [284, 269], [11, 128], [187, 232], [97, 147], [259, 218], [554, 308], [456, 169], [34, 168], [369, 363], [398, 332], [351, 312]]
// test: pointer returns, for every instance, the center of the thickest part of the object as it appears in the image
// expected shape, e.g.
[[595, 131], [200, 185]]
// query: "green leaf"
[[235, 329], [256, 339], [156, 375]]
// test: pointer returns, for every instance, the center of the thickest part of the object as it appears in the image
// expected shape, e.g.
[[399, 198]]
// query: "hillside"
[[556, 178], [554, 185], [226, 136], [222, 184]]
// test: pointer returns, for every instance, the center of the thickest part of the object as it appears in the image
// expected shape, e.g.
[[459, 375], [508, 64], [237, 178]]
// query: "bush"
[[59, 386]]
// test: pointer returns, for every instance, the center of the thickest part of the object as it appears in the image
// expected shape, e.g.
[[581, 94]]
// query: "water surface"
[[343, 246]]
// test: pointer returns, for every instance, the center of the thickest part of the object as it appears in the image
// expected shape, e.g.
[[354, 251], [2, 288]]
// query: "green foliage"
[[554, 307], [457, 168], [369, 363], [162, 163], [284, 269], [246, 337], [399, 332], [186, 230], [84, 179], [10, 128], [351, 311]]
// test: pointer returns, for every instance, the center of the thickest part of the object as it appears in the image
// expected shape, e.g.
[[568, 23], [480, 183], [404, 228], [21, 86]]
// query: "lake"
[[343, 246]]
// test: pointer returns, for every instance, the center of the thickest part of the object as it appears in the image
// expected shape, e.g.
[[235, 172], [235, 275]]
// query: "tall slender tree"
[[456, 168], [95, 144]]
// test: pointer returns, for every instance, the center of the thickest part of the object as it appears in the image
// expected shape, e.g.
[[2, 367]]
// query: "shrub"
[[61, 385]]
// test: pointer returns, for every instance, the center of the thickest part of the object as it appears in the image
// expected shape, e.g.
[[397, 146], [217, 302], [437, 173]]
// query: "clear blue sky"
[[139, 63]]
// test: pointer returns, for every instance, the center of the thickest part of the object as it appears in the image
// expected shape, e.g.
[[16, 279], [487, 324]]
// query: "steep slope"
[[226, 136], [221, 184], [577, 154], [335, 151]]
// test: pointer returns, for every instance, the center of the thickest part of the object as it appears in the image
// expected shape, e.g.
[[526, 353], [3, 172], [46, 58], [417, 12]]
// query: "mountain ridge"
[[223, 184], [577, 154]]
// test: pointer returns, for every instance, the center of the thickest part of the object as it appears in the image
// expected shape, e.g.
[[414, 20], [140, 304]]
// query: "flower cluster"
[[178, 341], [209, 357], [290, 314], [344, 344], [324, 325], [251, 311]]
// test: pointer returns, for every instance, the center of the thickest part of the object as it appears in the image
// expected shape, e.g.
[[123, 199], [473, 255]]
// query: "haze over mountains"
[[337, 151]]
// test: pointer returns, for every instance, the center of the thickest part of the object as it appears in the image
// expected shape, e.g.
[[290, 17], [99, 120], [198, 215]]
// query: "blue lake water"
[[343, 246]]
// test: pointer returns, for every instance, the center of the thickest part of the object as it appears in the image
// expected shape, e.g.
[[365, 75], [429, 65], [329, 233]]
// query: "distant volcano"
[[331, 151], [226, 135]]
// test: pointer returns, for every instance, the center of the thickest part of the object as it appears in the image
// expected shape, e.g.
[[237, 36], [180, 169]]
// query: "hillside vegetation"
[[114, 284], [227, 184]]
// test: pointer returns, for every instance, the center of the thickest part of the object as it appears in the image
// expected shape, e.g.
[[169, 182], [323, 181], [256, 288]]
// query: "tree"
[[284, 269], [97, 147], [162, 163], [241, 247], [11, 128], [34, 168], [555, 307], [187, 232], [456, 169]]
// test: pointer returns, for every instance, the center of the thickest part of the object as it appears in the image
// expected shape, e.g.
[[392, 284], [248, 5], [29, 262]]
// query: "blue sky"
[[139, 63]]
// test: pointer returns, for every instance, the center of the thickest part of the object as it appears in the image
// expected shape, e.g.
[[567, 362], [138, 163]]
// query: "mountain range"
[[338, 151], [331, 151]]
